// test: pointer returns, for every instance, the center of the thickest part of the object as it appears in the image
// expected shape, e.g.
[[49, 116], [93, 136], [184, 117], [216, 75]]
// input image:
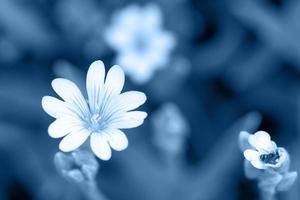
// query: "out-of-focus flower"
[[78, 166], [265, 152], [267, 163], [170, 129], [141, 44], [106, 112]]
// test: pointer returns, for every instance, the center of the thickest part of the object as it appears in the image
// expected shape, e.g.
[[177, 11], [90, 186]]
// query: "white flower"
[[101, 117], [141, 44], [265, 153]]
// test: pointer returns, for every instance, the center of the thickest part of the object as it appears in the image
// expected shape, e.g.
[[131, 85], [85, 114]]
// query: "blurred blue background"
[[230, 65]]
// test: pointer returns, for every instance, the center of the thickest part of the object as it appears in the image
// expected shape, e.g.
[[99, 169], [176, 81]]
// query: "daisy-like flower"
[[264, 153], [101, 117], [141, 44]]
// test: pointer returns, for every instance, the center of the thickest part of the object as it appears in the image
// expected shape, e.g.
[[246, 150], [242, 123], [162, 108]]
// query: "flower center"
[[95, 123], [271, 158], [141, 43]]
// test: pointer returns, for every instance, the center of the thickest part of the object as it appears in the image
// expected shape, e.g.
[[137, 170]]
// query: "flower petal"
[[164, 40], [251, 155], [95, 83], [62, 126], [131, 100], [243, 140], [100, 146], [251, 172], [124, 102], [283, 163], [55, 107], [258, 164], [117, 139], [261, 140], [114, 80], [118, 38], [69, 91], [152, 17], [74, 140], [128, 120]]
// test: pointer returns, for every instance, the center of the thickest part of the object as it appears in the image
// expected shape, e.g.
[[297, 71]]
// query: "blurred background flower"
[[141, 44], [170, 129]]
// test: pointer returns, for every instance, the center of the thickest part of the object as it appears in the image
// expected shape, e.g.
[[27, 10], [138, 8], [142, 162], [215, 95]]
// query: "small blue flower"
[[141, 44], [101, 117]]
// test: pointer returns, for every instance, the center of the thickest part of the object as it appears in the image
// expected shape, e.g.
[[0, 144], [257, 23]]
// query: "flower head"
[[264, 152], [266, 162], [170, 128], [101, 117], [78, 166], [137, 36]]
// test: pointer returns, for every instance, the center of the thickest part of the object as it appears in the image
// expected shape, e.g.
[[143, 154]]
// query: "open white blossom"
[[264, 152], [141, 44], [101, 117]]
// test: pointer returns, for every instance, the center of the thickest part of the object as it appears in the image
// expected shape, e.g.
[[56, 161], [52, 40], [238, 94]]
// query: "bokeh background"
[[235, 66]]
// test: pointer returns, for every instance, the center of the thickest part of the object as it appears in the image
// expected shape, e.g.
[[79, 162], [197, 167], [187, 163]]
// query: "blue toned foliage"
[[209, 70]]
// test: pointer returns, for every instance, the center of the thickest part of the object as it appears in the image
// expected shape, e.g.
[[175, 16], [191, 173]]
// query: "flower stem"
[[92, 192], [267, 195]]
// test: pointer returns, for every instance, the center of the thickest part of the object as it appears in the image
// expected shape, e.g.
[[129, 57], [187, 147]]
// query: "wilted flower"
[[101, 117], [266, 162], [265, 152], [137, 36]]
